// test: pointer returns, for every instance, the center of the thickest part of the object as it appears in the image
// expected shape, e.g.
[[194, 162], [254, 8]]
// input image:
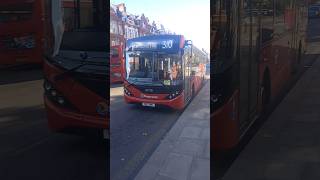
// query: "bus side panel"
[[116, 66], [227, 119]]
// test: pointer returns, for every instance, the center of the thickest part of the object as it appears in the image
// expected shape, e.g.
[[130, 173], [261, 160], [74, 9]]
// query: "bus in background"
[[256, 47], [76, 73], [22, 39], [162, 70], [117, 44], [116, 64]]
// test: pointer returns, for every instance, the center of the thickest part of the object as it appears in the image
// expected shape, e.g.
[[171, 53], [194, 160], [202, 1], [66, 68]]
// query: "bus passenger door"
[[187, 74], [249, 35]]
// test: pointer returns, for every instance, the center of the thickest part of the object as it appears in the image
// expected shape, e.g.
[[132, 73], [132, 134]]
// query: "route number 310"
[[167, 44]]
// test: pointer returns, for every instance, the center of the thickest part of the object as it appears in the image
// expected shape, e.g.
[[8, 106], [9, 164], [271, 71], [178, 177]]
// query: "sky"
[[190, 18]]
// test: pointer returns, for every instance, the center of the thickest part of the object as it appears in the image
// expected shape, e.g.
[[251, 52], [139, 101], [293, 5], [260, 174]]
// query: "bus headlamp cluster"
[[53, 94], [173, 95], [127, 92]]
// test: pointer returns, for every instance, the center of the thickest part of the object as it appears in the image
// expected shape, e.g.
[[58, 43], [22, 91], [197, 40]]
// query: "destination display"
[[154, 43]]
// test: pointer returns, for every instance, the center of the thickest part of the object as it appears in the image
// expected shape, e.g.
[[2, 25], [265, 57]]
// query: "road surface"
[[28, 149]]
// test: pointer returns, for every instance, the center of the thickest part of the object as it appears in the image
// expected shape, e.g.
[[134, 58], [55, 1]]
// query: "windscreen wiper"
[[84, 62], [62, 75], [129, 84]]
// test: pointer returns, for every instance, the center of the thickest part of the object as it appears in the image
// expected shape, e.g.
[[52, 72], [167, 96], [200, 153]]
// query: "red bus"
[[76, 72], [117, 41], [256, 47], [22, 31], [116, 64], [162, 70]]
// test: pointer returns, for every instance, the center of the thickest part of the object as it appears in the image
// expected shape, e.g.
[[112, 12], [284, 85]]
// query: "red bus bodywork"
[[116, 64], [77, 99], [133, 94], [159, 99], [277, 59], [81, 112], [179, 102], [22, 31]]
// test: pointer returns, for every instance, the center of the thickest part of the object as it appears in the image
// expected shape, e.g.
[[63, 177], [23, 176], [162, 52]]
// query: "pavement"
[[287, 147], [136, 132], [184, 152]]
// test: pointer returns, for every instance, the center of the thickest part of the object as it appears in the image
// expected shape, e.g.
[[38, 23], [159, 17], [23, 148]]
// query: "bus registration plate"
[[148, 104]]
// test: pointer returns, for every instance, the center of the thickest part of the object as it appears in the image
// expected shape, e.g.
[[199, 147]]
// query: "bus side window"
[[186, 60], [267, 17], [279, 26]]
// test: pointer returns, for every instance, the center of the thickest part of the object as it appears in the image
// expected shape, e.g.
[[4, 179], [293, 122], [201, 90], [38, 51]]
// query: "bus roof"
[[164, 43]]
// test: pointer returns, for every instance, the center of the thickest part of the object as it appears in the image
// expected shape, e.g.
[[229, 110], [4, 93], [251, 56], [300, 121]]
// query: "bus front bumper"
[[176, 103], [60, 118]]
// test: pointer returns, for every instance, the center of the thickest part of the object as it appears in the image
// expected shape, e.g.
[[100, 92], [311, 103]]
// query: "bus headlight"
[[47, 86], [54, 95], [127, 92], [173, 95], [60, 100]]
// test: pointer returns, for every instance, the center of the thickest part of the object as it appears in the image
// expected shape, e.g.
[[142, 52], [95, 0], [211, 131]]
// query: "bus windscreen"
[[154, 67], [84, 30], [84, 41]]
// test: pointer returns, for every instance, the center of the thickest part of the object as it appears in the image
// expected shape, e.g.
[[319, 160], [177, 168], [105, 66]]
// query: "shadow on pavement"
[[221, 161], [22, 73], [29, 150]]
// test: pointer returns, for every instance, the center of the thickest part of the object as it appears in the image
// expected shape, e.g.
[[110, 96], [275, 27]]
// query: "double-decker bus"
[[76, 72], [117, 43], [22, 37], [162, 70], [256, 46], [116, 64]]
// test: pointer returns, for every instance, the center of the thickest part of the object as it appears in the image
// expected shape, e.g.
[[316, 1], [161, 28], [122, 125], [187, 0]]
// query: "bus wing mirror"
[[189, 43]]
